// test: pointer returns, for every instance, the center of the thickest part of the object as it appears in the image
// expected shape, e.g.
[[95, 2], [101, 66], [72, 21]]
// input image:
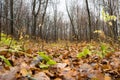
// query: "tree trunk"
[[35, 15], [89, 19], [0, 19], [6, 15], [11, 16], [43, 18], [74, 35]]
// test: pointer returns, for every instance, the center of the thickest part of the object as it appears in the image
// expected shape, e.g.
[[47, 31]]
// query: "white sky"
[[61, 6]]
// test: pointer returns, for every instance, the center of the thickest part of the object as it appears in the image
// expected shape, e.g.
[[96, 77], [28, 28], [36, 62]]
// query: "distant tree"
[[11, 17], [43, 17], [35, 14], [89, 19], [0, 18], [6, 13], [74, 34]]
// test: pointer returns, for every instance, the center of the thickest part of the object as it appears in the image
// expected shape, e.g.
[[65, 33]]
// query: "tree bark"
[[89, 19], [74, 35], [43, 18], [35, 15], [11, 16], [0, 18]]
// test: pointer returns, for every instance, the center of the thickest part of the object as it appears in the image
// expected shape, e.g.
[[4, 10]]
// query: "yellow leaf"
[[110, 23], [98, 31], [24, 72], [107, 78], [21, 36]]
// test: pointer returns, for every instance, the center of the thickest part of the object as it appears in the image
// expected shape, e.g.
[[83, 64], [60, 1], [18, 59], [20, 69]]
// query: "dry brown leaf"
[[48, 73], [61, 65], [24, 65], [57, 79], [29, 51], [107, 78], [10, 75], [24, 72], [41, 76]]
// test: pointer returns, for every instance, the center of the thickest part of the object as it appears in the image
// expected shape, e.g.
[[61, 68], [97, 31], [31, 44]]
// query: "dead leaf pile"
[[68, 67]]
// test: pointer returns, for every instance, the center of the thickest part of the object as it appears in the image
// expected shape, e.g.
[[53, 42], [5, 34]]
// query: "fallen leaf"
[[61, 65], [41, 76], [57, 79], [24, 72], [107, 77], [10, 75]]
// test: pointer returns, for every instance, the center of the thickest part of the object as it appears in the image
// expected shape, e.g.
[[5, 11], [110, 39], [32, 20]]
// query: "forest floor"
[[28, 60]]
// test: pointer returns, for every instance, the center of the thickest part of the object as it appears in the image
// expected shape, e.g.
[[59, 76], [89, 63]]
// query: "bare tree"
[[74, 34], [43, 18], [6, 10], [89, 19], [0, 18], [16, 18], [35, 14], [11, 16]]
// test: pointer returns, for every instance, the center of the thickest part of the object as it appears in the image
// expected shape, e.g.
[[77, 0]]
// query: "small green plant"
[[5, 60], [47, 61], [7, 40], [104, 50], [84, 53]]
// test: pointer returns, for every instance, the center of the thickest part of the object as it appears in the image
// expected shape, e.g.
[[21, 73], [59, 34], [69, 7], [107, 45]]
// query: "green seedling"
[[44, 56], [46, 59], [44, 66], [104, 50], [84, 53], [7, 40], [5, 60], [51, 62]]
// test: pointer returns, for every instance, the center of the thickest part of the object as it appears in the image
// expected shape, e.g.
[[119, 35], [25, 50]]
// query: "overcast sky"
[[62, 5]]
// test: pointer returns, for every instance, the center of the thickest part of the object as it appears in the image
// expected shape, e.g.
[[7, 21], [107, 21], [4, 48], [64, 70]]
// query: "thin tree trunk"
[[89, 19], [6, 15], [43, 18], [74, 35], [0, 19], [35, 15], [11, 16]]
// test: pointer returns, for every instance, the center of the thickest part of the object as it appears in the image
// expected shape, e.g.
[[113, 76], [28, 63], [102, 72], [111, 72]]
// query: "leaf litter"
[[82, 61]]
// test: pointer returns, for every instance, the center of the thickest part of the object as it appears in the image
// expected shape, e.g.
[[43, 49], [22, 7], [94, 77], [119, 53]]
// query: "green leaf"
[[80, 55], [51, 62], [103, 47], [6, 60], [86, 51], [44, 66], [44, 56]]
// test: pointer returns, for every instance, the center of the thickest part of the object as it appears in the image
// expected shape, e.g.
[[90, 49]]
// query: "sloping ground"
[[26, 63]]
